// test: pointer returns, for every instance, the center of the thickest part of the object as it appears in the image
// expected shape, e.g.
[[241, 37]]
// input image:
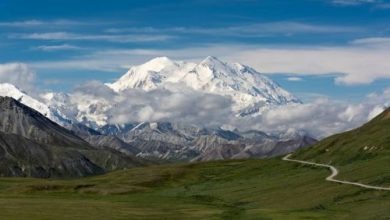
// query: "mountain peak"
[[9, 88], [247, 87], [151, 74], [212, 58], [212, 61], [157, 64], [161, 59]]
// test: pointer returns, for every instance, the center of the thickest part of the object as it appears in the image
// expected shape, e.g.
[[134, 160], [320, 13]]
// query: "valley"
[[92, 169], [149, 113], [195, 110], [240, 189]]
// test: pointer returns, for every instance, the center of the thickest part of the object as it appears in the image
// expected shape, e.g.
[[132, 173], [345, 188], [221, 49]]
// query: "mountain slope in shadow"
[[32, 145]]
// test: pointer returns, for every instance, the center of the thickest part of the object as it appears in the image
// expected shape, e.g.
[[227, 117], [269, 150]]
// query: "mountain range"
[[81, 121], [249, 91], [243, 84]]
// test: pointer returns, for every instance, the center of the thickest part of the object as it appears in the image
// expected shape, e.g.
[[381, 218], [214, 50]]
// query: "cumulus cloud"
[[164, 105], [18, 74], [322, 117], [178, 104]]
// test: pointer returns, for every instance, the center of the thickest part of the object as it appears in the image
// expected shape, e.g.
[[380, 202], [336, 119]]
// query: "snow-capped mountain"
[[248, 88], [250, 91], [152, 74], [245, 85], [89, 111], [9, 90]]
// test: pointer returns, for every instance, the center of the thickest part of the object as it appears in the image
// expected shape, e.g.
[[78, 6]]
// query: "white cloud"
[[320, 118], [18, 74], [57, 47], [353, 2], [374, 112], [96, 37], [249, 30], [294, 79], [164, 105], [38, 23], [361, 62], [373, 41], [355, 65], [181, 104]]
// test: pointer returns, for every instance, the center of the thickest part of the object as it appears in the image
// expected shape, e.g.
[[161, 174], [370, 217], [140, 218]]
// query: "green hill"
[[361, 155]]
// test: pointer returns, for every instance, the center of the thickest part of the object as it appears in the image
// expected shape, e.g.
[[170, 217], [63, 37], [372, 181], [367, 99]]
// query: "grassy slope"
[[250, 189], [361, 155]]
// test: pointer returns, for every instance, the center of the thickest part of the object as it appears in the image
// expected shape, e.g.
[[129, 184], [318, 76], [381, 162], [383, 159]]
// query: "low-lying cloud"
[[319, 118], [178, 104], [323, 117]]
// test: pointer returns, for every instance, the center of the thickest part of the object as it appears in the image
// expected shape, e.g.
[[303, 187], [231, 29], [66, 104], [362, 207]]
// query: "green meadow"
[[247, 189]]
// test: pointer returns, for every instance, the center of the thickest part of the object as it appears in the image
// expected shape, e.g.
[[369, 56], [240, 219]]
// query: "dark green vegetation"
[[361, 155], [250, 189]]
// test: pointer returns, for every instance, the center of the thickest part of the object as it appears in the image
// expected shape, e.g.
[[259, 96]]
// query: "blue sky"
[[314, 48]]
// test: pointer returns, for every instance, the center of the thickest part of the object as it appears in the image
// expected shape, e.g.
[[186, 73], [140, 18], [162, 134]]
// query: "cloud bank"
[[323, 117], [319, 118]]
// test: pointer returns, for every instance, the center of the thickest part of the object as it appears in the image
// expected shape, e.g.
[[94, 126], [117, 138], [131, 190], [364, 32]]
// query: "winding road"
[[334, 174]]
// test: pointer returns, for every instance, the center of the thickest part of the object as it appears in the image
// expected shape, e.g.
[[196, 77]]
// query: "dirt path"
[[334, 170]]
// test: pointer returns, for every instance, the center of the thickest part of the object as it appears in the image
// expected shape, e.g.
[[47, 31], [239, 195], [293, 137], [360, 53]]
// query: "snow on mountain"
[[94, 106], [80, 108], [152, 74], [249, 89], [245, 85], [9, 90]]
